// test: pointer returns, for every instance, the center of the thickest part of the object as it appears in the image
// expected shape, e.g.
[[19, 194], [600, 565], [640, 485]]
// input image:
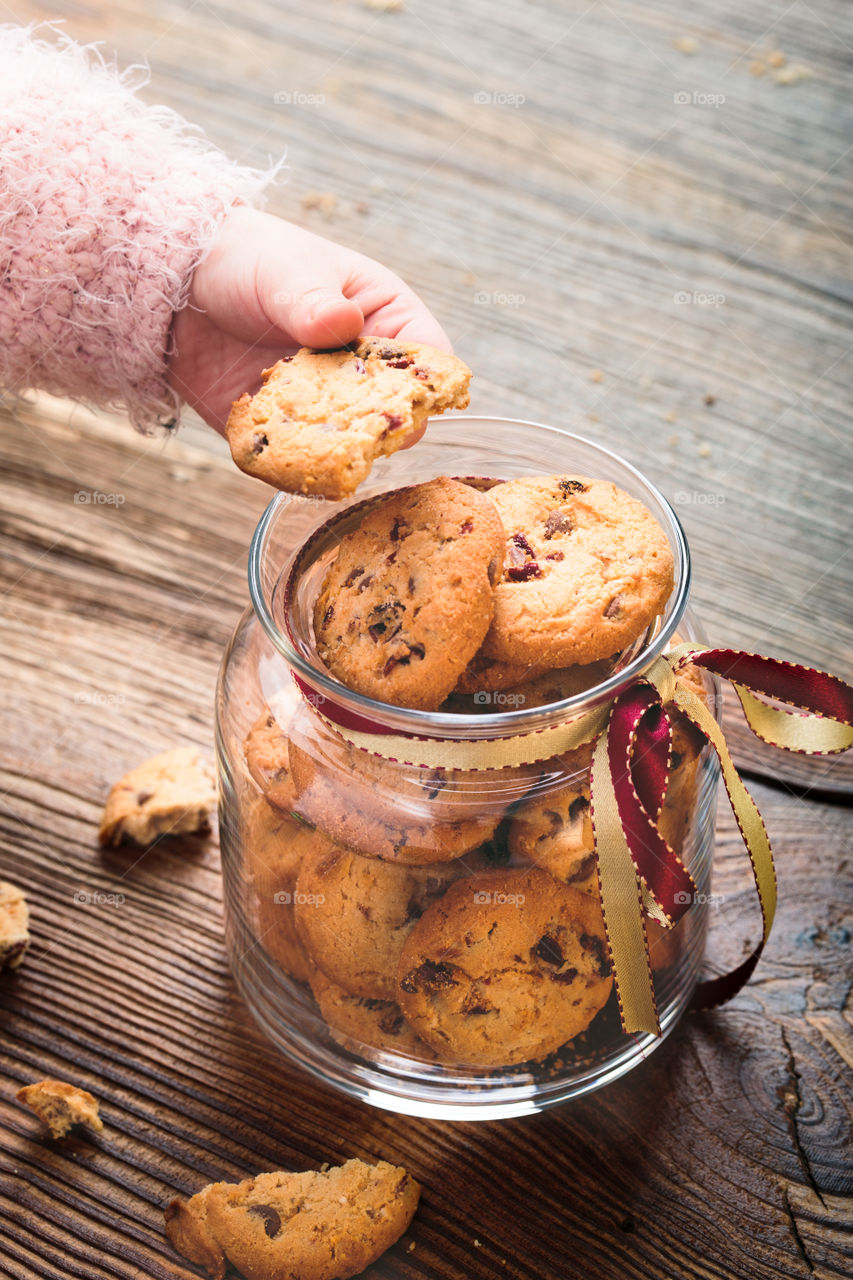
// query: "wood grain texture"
[[552, 237]]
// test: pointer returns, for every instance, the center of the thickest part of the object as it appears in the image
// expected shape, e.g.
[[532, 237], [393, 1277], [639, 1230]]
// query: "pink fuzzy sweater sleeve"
[[106, 208]]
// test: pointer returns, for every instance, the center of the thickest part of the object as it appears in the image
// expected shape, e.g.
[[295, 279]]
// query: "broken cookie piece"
[[315, 1226], [61, 1106], [171, 794], [14, 925], [322, 417]]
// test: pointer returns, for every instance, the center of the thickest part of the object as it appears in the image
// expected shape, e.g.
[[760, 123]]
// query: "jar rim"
[[418, 723]]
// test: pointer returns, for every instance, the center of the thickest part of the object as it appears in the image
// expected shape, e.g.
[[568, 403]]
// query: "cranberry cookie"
[[505, 968], [279, 1226], [407, 601], [587, 568], [322, 417]]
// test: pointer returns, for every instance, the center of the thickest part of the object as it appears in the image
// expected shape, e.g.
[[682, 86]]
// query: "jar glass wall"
[[337, 860]]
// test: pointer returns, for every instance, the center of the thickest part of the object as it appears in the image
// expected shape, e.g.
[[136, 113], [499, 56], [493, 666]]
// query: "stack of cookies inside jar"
[[452, 915]]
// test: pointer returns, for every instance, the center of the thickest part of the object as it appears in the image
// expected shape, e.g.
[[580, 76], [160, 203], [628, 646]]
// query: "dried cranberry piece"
[[402, 363], [556, 555], [384, 620], [549, 950], [351, 577], [360, 366], [467, 526], [520, 541], [523, 572], [430, 975]]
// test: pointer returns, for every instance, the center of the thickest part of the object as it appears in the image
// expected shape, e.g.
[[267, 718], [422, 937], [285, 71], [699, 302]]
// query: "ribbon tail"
[[621, 902], [807, 734], [716, 990]]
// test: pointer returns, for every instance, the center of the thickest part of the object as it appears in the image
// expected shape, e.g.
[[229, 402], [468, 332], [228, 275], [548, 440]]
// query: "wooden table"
[[644, 243]]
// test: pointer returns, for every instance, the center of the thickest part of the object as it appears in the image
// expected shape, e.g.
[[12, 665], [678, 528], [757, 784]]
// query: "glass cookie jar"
[[415, 924]]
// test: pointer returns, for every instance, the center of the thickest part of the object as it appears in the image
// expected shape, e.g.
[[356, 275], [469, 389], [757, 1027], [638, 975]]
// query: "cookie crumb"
[[326, 202], [477, 1244], [411, 1247], [61, 1106], [704, 450], [776, 58], [686, 44], [709, 398], [597, 375], [674, 440], [793, 74], [170, 794], [14, 925], [756, 68], [671, 416]]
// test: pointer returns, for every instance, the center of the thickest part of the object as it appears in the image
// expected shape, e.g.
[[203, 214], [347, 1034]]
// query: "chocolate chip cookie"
[[408, 599], [362, 1023], [326, 1225], [321, 418], [387, 809], [505, 968], [169, 795], [587, 568], [267, 758], [354, 913], [553, 830]]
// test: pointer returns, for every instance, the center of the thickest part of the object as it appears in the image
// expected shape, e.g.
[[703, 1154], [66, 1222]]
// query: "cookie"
[[407, 601], [14, 925], [326, 1225], [321, 418], [553, 830], [274, 848], [587, 569], [354, 913], [171, 794], [387, 809], [360, 1023], [267, 759], [505, 968], [543, 687], [61, 1106], [488, 675]]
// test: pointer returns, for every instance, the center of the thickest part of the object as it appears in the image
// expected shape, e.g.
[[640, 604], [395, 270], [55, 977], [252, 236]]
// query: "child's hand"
[[267, 287]]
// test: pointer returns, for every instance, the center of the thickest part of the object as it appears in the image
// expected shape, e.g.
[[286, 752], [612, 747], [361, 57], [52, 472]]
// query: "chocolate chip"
[[572, 486], [431, 976], [328, 615], [365, 582], [259, 442], [411, 585], [270, 1216], [577, 808], [549, 950], [403, 659], [391, 1023], [558, 522], [599, 950], [583, 870], [384, 620], [351, 577], [143, 796], [614, 607], [565, 976], [395, 534], [524, 572]]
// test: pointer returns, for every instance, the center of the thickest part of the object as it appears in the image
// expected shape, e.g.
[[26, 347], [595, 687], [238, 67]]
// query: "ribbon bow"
[[637, 869]]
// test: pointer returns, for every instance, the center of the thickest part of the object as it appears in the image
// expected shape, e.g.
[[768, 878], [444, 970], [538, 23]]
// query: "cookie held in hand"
[[406, 603], [322, 417], [280, 1226]]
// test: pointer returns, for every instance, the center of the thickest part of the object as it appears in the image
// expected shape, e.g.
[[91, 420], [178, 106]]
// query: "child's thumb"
[[319, 316]]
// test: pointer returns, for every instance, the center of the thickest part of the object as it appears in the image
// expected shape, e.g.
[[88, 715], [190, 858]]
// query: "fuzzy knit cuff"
[[106, 208]]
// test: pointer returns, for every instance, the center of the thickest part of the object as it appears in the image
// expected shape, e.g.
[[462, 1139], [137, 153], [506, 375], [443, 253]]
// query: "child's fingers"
[[316, 316]]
